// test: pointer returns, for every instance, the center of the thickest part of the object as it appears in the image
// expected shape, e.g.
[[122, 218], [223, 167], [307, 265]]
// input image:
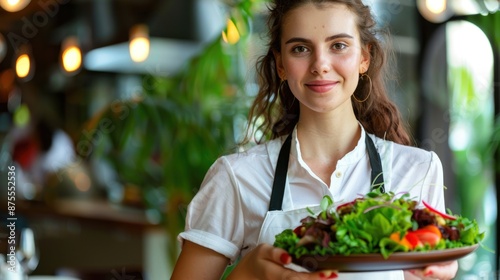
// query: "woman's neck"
[[325, 140], [323, 136]]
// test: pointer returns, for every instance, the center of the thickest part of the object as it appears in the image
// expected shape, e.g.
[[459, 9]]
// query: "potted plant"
[[161, 144]]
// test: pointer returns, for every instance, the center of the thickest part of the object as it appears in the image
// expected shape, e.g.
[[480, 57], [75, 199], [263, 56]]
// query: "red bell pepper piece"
[[412, 238]]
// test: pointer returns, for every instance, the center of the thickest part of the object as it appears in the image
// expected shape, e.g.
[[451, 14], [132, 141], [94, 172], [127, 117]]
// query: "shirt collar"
[[353, 156]]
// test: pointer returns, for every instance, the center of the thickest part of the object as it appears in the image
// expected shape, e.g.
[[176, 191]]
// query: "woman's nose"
[[321, 63]]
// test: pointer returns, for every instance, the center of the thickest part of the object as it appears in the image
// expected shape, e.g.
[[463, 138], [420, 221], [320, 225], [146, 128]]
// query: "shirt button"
[[338, 174]]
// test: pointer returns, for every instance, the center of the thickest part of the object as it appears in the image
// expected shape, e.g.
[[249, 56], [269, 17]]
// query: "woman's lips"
[[321, 86]]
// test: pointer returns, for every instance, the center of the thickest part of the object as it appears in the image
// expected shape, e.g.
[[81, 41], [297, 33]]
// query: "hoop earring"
[[368, 95]]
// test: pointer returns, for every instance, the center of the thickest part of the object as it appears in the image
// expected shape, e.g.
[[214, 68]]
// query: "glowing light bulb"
[[139, 43], [435, 10], [14, 5], [23, 66], [436, 6], [72, 59], [71, 56]]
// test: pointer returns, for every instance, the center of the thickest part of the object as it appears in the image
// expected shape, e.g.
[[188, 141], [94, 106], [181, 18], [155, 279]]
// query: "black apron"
[[377, 179]]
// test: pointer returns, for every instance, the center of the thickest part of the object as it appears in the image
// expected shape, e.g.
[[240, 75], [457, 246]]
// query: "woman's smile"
[[321, 86]]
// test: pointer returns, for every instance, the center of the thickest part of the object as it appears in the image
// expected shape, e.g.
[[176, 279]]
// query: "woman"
[[322, 100]]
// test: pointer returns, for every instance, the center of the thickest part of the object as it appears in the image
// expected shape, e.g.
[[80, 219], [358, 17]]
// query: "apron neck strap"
[[280, 176], [377, 177], [278, 191]]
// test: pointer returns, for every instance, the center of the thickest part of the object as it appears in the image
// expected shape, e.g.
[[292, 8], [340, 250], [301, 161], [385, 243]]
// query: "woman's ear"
[[279, 65], [365, 59]]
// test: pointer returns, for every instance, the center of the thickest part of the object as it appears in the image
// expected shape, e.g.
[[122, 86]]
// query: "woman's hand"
[[267, 262], [445, 271]]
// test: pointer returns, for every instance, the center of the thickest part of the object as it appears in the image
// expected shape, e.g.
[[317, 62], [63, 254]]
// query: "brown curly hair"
[[274, 111]]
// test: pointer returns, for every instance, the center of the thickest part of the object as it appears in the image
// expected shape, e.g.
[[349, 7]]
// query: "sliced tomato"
[[427, 237], [444, 215]]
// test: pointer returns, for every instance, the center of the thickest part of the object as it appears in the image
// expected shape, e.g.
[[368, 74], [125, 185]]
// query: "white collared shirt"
[[226, 214]]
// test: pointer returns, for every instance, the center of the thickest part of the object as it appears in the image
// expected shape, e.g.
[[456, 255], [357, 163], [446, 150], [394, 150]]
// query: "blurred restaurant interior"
[[113, 110]]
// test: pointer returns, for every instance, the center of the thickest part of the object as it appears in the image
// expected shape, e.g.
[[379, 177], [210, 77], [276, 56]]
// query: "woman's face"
[[321, 56]]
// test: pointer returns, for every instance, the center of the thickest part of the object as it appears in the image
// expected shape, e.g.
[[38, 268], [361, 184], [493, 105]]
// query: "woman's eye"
[[299, 49], [339, 46]]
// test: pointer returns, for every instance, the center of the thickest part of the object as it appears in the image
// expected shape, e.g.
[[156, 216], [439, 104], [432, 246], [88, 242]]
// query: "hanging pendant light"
[[14, 5]]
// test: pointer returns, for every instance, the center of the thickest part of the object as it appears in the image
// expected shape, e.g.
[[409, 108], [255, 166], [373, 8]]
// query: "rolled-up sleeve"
[[214, 217]]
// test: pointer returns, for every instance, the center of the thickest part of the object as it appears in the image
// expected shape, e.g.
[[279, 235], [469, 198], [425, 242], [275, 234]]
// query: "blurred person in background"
[[39, 149]]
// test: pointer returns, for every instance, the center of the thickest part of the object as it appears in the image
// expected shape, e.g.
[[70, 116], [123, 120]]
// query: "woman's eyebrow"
[[330, 38], [341, 35]]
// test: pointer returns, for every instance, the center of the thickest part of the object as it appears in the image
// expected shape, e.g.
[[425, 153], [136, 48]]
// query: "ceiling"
[[104, 23], [178, 30]]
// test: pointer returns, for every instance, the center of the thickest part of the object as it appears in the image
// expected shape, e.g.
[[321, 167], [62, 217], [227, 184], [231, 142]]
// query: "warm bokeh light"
[[139, 49], [436, 6], [71, 55], [23, 66], [435, 10], [14, 5], [231, 36], [139, 43], [72, 59]]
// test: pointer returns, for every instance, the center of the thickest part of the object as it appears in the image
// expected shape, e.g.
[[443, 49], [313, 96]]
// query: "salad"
[[378, 223]]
